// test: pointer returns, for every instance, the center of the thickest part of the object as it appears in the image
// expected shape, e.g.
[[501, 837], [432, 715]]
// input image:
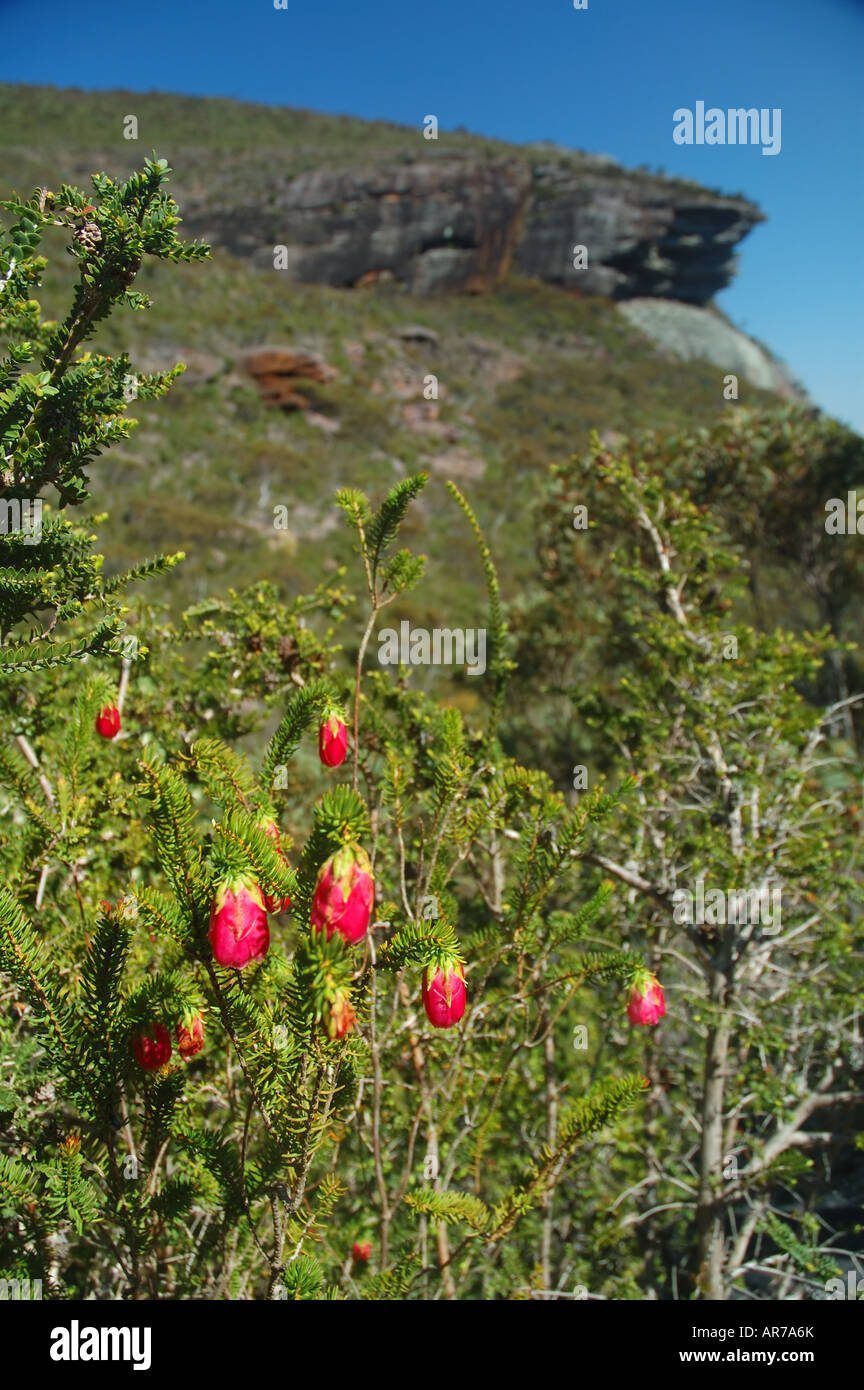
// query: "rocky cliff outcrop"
[[437, 224], [452, 221], [644, 236]]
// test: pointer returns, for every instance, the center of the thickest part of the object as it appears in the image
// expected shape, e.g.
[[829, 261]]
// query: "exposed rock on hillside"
[[642, 237], [438, 224], [691, 333], [276, 372], [456, 222]]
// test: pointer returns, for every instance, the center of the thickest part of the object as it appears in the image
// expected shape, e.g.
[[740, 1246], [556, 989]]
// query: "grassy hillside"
[[524, 374], [234, 146]]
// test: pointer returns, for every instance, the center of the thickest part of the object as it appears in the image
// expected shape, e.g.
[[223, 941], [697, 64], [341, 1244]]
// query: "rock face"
[[438, 224], [691, 333], [641, 240], [449, 221]]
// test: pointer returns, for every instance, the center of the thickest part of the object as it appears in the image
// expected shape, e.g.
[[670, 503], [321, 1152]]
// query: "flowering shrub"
[[157, 895], [278, 1025]]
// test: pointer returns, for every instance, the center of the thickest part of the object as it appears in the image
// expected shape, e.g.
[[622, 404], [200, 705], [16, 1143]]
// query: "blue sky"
[[605, 79]]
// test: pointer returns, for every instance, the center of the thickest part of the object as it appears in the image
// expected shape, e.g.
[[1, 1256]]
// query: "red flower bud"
[[361, 1253], [190, 1036], [152, 1049], [238, 923], [344, 894], [647, 1005], [444, 994], [108, 722], [332, 742], [342, 1016]]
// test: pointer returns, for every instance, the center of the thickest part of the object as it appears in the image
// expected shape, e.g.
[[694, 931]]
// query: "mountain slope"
[[523, 372]]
